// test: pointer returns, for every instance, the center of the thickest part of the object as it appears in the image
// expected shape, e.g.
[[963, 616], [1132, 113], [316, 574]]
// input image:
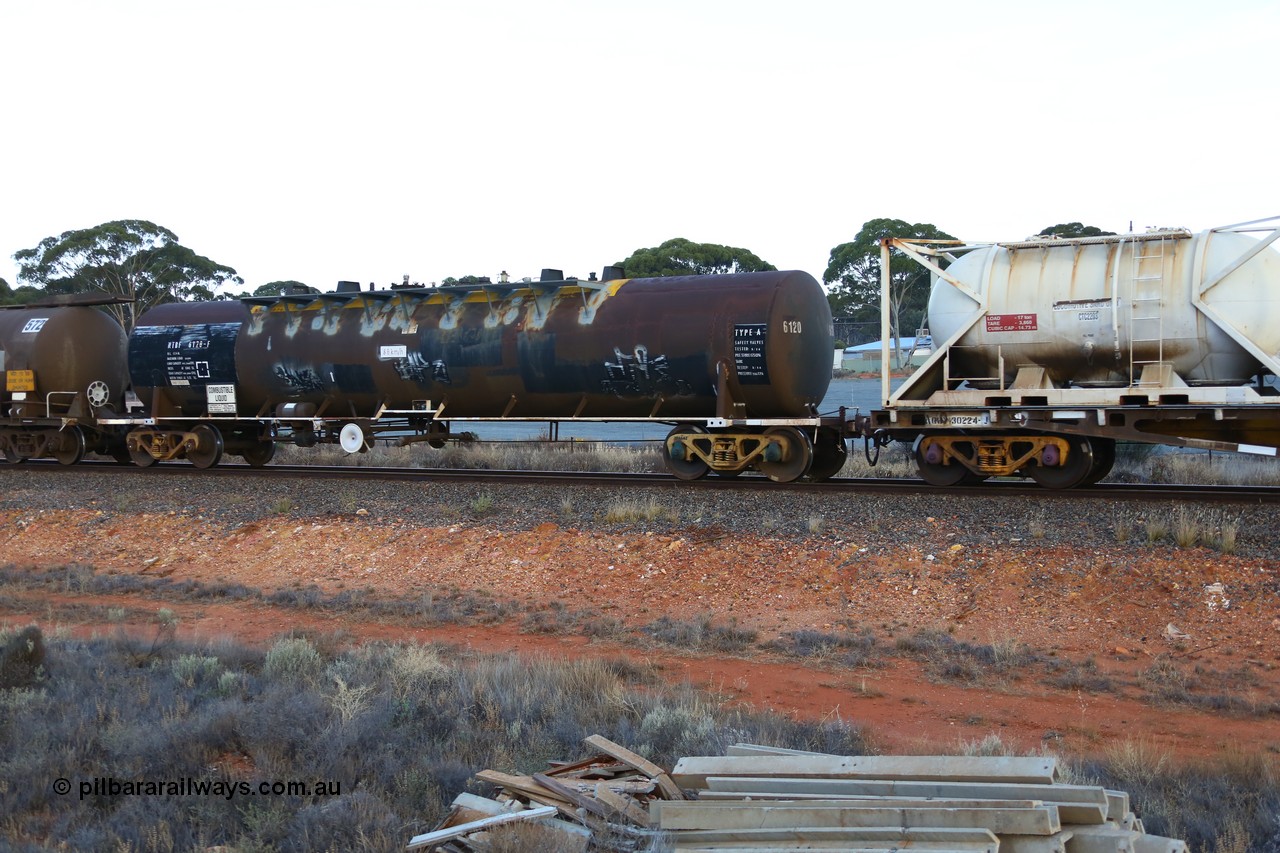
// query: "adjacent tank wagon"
[[738, 363], [1049, 351], [63, 364]]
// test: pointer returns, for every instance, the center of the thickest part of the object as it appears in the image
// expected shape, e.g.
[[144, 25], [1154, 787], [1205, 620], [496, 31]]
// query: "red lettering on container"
[[1011, 323]]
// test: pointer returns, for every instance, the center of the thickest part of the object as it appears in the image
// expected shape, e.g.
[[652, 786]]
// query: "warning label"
[[1011, 323], [748, 353]]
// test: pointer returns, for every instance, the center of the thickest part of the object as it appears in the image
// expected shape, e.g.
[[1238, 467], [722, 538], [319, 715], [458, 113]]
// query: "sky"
[[318, 141]]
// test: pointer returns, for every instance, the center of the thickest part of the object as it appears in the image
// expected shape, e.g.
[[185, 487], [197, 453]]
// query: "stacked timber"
[[757, 798], [760, 798], [604, 796]]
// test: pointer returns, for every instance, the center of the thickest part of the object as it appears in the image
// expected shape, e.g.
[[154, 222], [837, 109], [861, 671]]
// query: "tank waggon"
[[1048, 351], [1112, 313], [716, 355], [63, 363]]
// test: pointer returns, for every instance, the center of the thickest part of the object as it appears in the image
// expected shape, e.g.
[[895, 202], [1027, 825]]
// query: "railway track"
[[852, 486]]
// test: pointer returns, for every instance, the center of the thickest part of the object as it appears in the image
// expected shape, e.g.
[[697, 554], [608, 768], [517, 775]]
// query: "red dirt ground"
[[1114, 606]]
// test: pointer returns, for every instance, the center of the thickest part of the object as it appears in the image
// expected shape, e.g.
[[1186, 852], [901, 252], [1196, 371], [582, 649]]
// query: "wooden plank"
[[818, 813], [814, 847], [1093, 797], [604, 765], [1056, 843], [626, 756], [1143, 843], [589, 804], [760, 749], [1101, 839], [670, 790], [1068, 812], [877, 802], [623, 805], [1118, 807], [693, 771], [526, 787], [642, 785], [871, 837], [466, 808], [523, 785], [436, 836]]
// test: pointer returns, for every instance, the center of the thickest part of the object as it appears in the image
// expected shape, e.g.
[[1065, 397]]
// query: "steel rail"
[[748, 482]]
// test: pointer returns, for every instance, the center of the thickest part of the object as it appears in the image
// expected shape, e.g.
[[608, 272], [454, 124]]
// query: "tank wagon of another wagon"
[[63, 368], [1049, 351], [737, 364]]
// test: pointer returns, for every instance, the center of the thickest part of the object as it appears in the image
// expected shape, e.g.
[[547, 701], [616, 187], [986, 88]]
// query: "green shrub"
[[293, 661]]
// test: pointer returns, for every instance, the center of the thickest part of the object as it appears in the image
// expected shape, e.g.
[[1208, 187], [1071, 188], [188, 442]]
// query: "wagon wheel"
[[439, 434], [208, 449], [11, 456], [140, 455], [258, 455], [794, 454], [1104, 457], [1073, 472], [937, 472], [829, 456], [68, 447], [690, 467]]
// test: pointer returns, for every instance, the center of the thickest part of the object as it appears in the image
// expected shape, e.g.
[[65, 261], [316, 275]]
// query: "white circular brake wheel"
[[98, 393]]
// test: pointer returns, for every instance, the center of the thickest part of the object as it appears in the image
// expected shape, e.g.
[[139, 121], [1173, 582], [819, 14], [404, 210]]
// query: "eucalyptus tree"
[[131, 259], [679, 256]]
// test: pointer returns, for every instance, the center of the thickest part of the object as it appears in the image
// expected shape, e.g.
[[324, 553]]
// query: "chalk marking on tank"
[[598, 296]]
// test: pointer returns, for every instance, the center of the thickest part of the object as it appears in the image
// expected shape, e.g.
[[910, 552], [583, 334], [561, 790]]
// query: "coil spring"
[[724, 451], [992, 456]]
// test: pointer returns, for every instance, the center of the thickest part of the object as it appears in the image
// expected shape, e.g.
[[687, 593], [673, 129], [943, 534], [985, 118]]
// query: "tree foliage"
[[853, 275], [1074, 229], [278, 288], [129, 258], [679, 256], [23, 295]]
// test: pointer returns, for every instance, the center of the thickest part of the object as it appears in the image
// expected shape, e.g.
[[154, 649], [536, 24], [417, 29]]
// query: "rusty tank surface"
[[63, 364], [60, 358], [742, 345]]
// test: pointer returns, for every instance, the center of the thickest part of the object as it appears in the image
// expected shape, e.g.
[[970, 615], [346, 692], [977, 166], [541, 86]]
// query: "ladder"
[[1146, 312]]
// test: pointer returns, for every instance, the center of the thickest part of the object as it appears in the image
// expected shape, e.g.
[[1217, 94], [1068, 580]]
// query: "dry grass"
[[630, 511], [1189, 526], [498, 456], [1134, 463]]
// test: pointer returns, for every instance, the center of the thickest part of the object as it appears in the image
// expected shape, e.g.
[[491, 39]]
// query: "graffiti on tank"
[[415, 368], [304, 379], [637, 373]]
